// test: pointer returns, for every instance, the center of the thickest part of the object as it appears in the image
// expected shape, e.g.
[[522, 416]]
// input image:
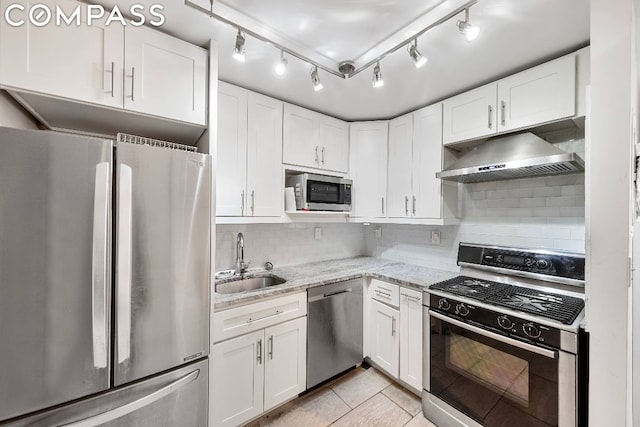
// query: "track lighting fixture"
[[418, 59], [377, 76], [466, 28], [238, 51], [281, 66], [317, 85]]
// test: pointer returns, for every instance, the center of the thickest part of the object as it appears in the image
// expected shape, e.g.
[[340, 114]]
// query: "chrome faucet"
[[241, 266]]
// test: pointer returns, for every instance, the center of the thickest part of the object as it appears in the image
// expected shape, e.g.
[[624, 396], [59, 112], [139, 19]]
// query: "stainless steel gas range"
[[502, 340]]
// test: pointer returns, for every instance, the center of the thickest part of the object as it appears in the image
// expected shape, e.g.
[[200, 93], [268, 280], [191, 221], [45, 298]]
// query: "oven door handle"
[[529, 347]]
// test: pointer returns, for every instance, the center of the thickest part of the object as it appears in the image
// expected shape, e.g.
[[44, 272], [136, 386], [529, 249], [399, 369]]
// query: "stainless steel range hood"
[[512, 156]]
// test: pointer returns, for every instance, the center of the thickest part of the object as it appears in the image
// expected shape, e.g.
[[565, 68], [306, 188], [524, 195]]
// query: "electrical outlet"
[[435, 237], [377, 232], [317, 233]]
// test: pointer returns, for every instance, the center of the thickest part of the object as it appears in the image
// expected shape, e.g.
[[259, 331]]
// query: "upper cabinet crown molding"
[[134, 69], [542, 94]]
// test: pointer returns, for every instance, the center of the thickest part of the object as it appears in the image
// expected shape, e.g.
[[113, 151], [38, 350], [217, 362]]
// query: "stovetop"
[[548, 305]]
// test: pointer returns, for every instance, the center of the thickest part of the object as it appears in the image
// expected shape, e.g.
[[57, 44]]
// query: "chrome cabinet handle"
[[271, 347], [503, 106], [323, 155], [113, 79], [260, 351], [125, 222], [490, 117], [133, 79], [317, 157], [393, 326], [138, 404], [386, 294], [242, 203], [253, 202], [410, 298], [251, 319], [414, 205], [99, 265], [406, 205], [383, 205]]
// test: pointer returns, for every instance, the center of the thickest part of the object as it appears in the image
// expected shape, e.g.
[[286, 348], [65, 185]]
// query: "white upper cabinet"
[[231, 170], [470, 115], [131, 68], [538, 95], [249, 177], [265, 175], [164, 76], [399, 192], [368, 168], [78, 62], [314, 140]]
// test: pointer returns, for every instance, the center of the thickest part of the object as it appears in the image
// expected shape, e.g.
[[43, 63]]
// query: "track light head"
[[467, 29], [281, 66], [239, 49], [315, 80], [377, 76], [418, 59]]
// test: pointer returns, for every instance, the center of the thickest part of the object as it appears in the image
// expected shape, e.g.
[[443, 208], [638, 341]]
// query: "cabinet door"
[[238, 379], [400, 154], [383, 337], [265, 175], [300, 137], [231, 173], [368, 168], [164, 76], [82, 63], [285, 361], [470, 115], [411, 338], [538, 95], [427, 160], [334, 144]]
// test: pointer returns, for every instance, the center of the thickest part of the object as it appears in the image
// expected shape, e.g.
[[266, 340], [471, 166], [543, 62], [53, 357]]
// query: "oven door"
[[497, 380]]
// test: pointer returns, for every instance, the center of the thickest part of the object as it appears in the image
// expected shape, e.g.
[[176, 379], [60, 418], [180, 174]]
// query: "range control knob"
[[531, 330], [529, 262], [505, 322], [444, 304], [499, 259], [542, 264], [462, 309]]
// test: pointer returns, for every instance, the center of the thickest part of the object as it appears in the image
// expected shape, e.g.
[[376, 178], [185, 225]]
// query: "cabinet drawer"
[[237, 321], [385, 292]]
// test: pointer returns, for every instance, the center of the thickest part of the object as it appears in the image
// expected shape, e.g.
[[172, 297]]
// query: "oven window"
[[492, 382], [322, 192]]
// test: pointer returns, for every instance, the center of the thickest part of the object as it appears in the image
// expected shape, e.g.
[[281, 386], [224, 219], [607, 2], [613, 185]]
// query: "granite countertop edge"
[[304, 276]]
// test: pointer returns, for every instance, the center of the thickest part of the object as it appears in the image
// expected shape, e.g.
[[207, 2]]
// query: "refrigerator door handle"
[[128, 408], [123, 312], [99, 265]]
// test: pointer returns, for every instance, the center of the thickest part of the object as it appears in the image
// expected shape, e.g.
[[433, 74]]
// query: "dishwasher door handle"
[[323, 296]]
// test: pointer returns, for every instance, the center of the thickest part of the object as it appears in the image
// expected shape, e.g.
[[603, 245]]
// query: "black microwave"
[[320, 192]]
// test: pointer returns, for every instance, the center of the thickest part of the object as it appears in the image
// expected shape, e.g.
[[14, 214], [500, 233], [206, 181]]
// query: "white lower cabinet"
[[394, 331], [411, 338], [257, 371]]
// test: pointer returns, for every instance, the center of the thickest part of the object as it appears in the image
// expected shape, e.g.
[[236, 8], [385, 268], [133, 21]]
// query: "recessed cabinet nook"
[[393, 162]]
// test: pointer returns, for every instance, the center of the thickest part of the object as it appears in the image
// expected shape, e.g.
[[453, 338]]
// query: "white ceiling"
[[514, 35]]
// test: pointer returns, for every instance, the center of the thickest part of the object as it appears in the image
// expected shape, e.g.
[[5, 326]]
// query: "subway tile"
[[533, 202], [572, 190], [568, 201]]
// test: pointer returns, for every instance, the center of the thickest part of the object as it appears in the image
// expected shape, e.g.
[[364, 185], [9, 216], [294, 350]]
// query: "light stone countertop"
[[304, 276]]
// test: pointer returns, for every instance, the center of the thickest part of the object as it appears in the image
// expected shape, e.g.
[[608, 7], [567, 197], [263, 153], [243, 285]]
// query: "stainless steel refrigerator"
[[104, 282]]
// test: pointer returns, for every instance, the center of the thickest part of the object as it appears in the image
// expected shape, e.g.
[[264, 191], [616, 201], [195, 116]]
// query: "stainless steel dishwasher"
[[334, 330]]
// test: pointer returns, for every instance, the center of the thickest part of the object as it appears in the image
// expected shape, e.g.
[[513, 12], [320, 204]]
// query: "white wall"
[[12, 114], [287, 244], [608, 210]]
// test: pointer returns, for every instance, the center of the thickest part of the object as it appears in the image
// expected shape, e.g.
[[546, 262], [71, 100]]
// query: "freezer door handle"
[[130, 407], [99, 265], [123, 312]]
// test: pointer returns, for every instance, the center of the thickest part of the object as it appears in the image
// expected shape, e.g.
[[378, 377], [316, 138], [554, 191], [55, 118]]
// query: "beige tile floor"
[[359, 398]]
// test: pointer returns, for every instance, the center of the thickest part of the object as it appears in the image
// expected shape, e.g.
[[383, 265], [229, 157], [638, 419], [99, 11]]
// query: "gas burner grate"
[[562, 308], [470, 287]]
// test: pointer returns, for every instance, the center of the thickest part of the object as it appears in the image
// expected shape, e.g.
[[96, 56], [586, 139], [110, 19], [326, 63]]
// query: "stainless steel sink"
[[249, 284]]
